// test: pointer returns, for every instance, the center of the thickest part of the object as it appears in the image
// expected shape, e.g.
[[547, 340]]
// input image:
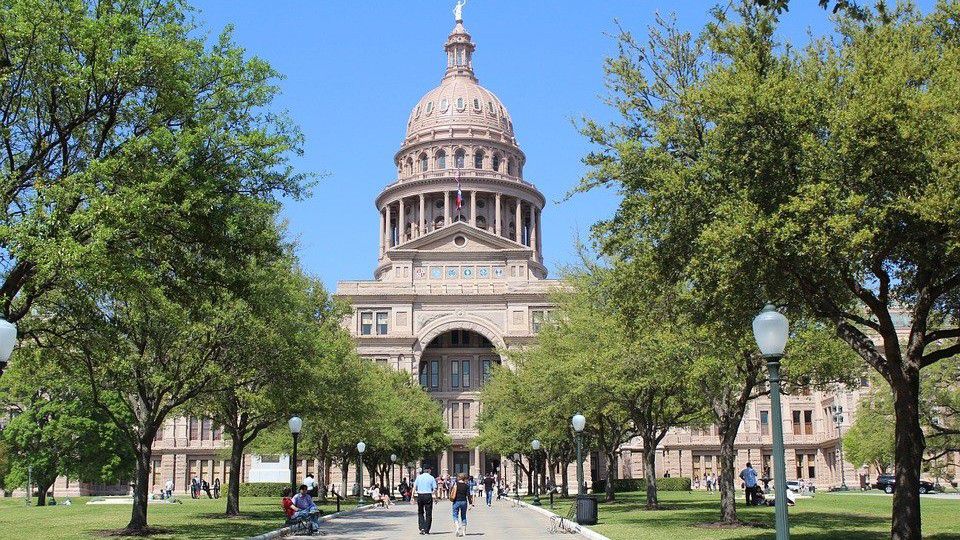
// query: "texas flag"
[[459, 193]]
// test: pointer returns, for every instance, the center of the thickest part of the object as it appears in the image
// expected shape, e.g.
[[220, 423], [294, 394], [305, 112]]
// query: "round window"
[[480, 203], [460, 241], [439, 204]]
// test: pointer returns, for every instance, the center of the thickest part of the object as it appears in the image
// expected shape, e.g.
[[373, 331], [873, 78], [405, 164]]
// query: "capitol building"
[[461, 276]]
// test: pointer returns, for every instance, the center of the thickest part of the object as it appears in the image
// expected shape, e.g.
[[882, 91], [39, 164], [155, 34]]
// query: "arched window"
[[423, 162], [481, 222], [441, 160], [459, 57], [458, 158], [409, 165], [460, 104], [510, 166], [496, 162], [478, 160]]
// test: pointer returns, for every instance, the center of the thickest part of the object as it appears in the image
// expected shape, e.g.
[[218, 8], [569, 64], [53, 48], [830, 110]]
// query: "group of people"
[[459, 490], [710, 481], [200, 485], [301, 507]]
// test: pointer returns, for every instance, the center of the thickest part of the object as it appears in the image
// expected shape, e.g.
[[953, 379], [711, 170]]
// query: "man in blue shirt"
[[749, 477], [423, 488]]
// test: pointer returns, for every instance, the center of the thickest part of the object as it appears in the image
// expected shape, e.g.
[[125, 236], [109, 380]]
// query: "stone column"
[[401, 223], [476, 453], [421, 224], [533, 231], [473, 208], [497, 225], [383, 233], [389, 227], [517, 226], [539, 235]]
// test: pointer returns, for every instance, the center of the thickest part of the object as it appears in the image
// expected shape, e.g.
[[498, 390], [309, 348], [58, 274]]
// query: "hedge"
[[261, 489], [621, 485]]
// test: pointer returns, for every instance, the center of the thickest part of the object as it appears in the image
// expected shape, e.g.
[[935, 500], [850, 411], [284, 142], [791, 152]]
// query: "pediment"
[[473, 240]]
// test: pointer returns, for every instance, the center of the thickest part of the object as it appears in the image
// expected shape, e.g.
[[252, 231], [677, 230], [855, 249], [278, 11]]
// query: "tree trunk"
[[564, 483], [138, 516], [345, 468], [650, 472], [530, 482], [233, 483], [611, 476], [908, 455], [728, 454], [43, 486]]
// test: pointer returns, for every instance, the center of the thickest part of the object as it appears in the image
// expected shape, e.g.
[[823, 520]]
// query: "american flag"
[[459, 193]]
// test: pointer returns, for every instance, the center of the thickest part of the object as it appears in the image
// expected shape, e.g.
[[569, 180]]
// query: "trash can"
[[587, 509]]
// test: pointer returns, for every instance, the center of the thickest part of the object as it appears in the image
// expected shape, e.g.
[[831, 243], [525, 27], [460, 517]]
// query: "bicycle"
[[564, 524]]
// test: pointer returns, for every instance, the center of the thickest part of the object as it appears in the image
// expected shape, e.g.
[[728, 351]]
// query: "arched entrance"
[[453, 367]]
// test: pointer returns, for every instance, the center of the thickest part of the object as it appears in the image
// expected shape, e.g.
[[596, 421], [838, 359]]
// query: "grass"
[[201, 519], [851, 516]]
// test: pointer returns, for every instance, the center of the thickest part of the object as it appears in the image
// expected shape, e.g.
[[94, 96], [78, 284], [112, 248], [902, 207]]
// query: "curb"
[[290, 529], [569, 526]]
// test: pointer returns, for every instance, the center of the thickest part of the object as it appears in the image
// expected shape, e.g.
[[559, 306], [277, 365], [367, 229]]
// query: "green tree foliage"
[[822, 178], [869, 441], [56, 429], [144, 167]]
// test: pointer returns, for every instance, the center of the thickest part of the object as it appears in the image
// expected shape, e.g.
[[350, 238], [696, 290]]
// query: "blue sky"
[[354, 69]]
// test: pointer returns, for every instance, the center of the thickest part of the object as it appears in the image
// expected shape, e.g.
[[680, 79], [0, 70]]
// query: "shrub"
[[261, 489], [621, 485]]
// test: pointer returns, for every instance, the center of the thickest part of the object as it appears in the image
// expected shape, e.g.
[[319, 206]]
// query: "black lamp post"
[[838, 421], [516, 475], [536, 491], [771, 329], [579, 422], [295, 423], [361, 446]]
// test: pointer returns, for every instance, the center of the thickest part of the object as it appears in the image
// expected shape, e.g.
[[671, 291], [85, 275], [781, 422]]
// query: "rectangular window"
[[486, 370], [382, 323], [465, 369], [455, 415], [455, 338], [808, 422], [455, 374], [434, 374], [218, 433], [366, 323], [466, 416], [764, 422], [536, 321], [194, 428], [205, 426], [156, 473], [811, 465], [423, 374], [797, 428], [799, 465], [766, 472]]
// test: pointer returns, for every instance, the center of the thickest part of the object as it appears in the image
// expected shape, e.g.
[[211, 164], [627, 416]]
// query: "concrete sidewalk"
[[502, 520]]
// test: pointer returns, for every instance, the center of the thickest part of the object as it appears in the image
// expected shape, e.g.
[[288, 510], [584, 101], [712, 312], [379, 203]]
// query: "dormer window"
[[476, 105], [444, 105], [418, 112], [429, 107], [460, 104]]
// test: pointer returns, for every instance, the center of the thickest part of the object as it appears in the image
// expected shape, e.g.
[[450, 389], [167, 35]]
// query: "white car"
[[793, 485]]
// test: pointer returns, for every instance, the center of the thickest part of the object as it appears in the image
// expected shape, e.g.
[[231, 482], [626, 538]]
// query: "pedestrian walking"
[[460, 496], [423, 488], [488, 484]]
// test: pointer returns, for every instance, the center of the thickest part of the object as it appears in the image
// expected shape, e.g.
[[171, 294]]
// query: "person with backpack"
[[460, 495]]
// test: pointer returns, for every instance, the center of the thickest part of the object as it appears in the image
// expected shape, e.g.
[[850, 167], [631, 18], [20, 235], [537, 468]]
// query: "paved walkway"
[[399, 521]]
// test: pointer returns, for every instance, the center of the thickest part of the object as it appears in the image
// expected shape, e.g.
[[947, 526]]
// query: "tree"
[[56, 430], [870, 439], [99, 101], [819, 178], [271, 359]]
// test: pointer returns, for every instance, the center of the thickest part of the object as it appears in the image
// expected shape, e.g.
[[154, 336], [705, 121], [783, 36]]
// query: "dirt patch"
[[738, 525], [120, 533]]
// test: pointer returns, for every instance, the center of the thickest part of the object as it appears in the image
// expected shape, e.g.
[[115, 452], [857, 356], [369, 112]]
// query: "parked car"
[[887, 481], [793, 485]]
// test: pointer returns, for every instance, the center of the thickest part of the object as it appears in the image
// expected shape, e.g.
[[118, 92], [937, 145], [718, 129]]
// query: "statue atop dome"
[[458, 10]]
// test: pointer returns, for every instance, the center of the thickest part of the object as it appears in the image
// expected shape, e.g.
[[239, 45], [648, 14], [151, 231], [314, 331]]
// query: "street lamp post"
[[361, 447], [579, 422], [536, 491], [393, 465], [295, 424], [516, 475], [838, 421], [771, 329], [8, 340]]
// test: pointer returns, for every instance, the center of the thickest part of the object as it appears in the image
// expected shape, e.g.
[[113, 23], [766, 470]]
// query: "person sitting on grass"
[[305, 508]]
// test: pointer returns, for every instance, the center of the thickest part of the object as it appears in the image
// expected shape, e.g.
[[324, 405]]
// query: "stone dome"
[[459, 101]]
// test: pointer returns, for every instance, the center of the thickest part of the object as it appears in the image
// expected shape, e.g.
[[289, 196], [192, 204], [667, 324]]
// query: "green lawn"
[[850, 516], [194, 519]]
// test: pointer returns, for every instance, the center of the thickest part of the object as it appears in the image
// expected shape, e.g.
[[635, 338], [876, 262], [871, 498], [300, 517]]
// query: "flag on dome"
[[459, 193]]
